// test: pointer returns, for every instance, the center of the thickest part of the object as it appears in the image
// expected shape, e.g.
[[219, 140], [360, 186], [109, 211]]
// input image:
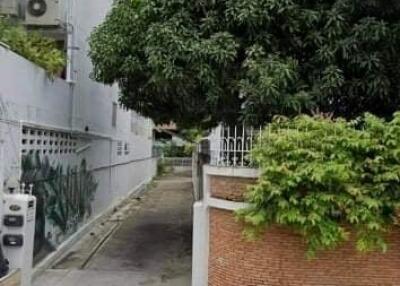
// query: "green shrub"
[[327, 178], [161, 167], [173, 150], [34, 47]]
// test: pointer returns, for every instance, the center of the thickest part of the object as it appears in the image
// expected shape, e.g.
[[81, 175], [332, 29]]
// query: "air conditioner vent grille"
[[37, 8]]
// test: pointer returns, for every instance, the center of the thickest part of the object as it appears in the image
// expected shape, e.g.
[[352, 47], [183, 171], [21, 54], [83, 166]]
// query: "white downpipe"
[[19, 150], [70, 41]]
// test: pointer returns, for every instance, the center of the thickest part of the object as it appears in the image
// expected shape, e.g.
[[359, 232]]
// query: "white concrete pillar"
[[200, 244]]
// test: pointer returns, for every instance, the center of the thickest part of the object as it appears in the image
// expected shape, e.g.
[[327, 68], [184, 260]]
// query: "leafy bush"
[[34, 47], [327, 178], [162, 168], [172, 150]]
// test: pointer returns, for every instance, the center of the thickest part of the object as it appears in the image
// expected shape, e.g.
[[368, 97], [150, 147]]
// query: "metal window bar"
[[233, 144]]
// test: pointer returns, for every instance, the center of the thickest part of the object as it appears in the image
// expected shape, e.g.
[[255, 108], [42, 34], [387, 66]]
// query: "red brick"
[[229, 188], [278, 259]]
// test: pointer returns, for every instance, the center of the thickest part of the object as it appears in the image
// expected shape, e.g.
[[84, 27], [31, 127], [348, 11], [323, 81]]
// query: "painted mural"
[[64, 196]]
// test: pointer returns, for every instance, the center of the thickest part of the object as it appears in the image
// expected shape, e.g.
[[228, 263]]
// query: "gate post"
[[200, 244]]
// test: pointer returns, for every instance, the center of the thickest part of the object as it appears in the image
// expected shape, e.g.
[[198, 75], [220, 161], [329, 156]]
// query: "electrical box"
[[43, 13], [18, 233], [9, 7]]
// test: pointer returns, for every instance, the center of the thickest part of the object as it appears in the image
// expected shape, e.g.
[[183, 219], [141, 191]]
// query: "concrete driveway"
[[150, 244]]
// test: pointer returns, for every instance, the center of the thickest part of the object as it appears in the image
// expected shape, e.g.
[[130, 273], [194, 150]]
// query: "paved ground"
[[147, 242]]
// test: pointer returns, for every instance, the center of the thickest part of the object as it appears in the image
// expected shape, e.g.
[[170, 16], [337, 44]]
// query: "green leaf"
[[304, 187]]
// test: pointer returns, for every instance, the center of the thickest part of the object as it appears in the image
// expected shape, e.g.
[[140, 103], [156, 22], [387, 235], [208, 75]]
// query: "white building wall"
[[93, 104], [84, 108], [27, 93]]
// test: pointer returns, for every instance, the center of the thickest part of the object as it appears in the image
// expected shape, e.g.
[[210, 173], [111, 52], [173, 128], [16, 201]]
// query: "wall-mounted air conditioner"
[[9, 7], [43, 13]]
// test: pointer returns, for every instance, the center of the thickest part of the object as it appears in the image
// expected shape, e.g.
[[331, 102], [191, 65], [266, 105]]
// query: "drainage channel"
[[101, 243], [82, 253]]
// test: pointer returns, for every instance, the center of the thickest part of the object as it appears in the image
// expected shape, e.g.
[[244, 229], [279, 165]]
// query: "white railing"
[[231, 146], [178, 161]]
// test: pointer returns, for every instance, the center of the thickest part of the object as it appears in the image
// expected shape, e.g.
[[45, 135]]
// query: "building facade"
[[69, 137]]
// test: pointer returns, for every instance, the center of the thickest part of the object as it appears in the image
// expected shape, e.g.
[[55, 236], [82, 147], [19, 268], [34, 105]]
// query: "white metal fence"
[[178, 161], [231, 146]]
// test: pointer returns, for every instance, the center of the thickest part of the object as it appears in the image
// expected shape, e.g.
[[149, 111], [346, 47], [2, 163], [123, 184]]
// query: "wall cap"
[[240, 172], [226, 205]]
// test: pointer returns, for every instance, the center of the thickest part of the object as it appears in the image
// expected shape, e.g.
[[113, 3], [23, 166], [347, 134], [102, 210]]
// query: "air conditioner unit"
[[43, 13], [9, 7]]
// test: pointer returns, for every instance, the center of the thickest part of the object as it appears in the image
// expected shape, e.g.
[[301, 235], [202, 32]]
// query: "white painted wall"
[[28, 95], [92, 108]]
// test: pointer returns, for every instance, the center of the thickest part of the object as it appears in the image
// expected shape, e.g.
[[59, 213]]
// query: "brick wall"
[[229, 188], [279, 258]]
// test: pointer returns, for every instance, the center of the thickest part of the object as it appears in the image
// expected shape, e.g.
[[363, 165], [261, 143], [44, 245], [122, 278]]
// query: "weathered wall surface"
[[229, 188], [27, 93]]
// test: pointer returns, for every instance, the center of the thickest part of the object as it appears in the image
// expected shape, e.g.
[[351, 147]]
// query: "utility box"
[[43, 13], [18, 232]]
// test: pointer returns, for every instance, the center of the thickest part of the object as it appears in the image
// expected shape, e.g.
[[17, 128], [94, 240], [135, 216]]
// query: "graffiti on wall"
[[64, 196]]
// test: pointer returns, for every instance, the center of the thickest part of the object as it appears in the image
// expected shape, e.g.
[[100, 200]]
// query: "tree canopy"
[[199, 63]]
